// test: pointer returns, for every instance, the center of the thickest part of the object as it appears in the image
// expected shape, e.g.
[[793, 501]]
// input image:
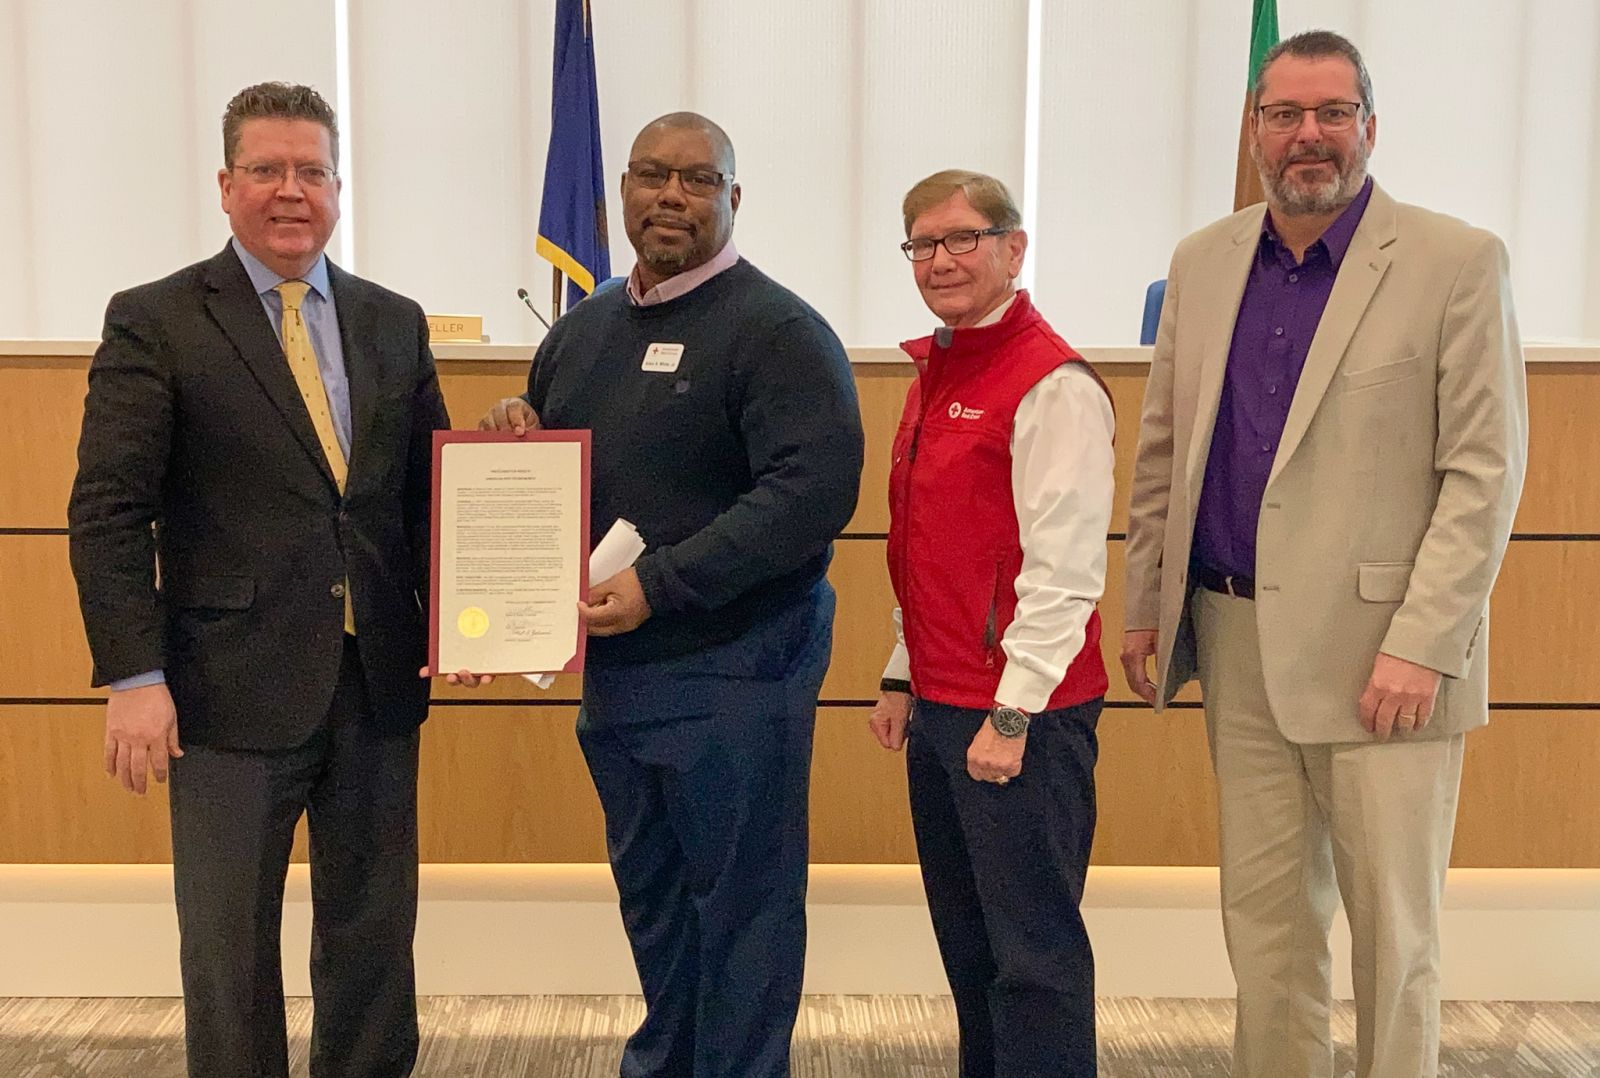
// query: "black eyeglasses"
[[1282, 117], [273, 172], [958, 242], [700, 182]]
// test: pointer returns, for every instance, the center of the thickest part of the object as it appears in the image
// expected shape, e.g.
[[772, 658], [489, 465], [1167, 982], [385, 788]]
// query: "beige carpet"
[[837, 1037]]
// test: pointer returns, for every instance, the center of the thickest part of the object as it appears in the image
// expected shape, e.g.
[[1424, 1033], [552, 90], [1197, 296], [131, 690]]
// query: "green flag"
[[1263, 35]]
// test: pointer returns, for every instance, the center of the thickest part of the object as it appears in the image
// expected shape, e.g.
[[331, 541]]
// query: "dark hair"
[[1317, 45], [276, 101]]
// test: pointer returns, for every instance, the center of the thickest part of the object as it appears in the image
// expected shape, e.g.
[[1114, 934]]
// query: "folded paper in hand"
[[619, 549]]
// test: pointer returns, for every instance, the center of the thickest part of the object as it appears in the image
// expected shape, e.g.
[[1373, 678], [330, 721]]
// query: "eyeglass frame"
[[1300, 118], [976, 233], [724, 179], [282, 171]]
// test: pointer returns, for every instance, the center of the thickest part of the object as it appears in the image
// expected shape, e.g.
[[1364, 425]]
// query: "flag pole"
[[555, 292]]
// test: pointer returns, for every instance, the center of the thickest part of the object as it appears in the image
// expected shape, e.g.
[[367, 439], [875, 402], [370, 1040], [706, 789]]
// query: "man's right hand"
[[141, 732], [1138, 645], [513, 414], [889, 718]]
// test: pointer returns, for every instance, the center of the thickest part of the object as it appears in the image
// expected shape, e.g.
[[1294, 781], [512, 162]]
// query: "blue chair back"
[[1154, 297]]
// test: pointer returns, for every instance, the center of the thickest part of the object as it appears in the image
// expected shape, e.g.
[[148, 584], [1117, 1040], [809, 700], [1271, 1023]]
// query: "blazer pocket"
[[211, 592], [1384, 581], [1381, 375]]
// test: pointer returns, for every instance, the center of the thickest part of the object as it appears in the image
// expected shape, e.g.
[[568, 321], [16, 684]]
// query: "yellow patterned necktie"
[[302, 359]]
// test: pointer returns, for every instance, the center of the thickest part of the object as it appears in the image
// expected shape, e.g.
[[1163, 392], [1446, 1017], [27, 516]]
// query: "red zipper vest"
[[954, 550]]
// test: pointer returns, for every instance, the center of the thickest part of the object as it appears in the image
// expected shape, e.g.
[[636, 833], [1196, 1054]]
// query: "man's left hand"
[[1399, 697], [994, 758], [615, 606], [460, 677]]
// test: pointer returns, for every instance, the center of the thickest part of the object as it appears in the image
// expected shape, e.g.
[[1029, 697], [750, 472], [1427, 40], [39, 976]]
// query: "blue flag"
[[572, 214]]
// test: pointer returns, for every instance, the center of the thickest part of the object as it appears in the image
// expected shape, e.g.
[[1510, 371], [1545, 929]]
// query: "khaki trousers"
[[1303, 826]]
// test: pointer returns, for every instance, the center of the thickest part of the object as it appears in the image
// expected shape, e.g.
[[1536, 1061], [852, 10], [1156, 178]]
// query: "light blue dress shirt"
[[321, 317]]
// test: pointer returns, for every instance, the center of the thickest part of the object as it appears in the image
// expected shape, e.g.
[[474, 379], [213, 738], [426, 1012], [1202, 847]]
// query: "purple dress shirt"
[[1278, 316]]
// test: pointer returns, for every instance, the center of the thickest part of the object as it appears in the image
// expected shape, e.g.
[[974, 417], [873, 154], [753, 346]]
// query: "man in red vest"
[[1000, 499]]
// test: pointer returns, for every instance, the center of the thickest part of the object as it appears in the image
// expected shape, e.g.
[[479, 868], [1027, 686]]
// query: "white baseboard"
[[110, 930]]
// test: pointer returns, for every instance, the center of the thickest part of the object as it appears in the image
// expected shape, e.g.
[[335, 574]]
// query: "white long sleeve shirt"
[[1061, 484]]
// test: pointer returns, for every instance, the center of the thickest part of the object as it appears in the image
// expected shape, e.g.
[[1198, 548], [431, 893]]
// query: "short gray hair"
[[986, 194], [276, 101], [1317, 45]]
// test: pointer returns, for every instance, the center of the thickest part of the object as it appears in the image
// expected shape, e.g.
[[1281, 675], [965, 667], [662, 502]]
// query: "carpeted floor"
[[837, 1037]]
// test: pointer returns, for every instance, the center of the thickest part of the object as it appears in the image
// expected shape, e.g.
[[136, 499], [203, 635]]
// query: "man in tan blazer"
[[1333, 445]]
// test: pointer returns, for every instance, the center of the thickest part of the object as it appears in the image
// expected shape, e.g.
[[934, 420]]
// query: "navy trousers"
[[1004, 868], [703, 768]]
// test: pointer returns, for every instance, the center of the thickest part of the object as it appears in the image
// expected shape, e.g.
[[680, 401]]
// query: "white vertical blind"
[[109, 115], [452, 113], [112, 134], [1138, 139]]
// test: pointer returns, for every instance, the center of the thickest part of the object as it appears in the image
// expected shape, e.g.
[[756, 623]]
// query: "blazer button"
[[337, 591]]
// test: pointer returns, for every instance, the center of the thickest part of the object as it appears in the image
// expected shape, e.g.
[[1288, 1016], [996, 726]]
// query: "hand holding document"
[[510, 551], [619, 549]]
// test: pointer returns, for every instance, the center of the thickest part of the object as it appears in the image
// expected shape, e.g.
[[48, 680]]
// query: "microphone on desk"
[[522, 294]]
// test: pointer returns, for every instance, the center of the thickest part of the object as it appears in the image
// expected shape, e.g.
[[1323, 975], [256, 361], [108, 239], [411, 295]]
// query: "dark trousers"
[[703, 768], [233, 819], [1004, 868]]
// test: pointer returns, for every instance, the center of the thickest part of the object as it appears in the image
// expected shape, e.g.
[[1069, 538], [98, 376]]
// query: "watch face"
[[1009, 722]]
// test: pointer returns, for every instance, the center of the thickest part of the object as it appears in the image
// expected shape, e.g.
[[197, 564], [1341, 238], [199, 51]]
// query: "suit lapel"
[[233, 302], [1228, 279], [1363, 268]]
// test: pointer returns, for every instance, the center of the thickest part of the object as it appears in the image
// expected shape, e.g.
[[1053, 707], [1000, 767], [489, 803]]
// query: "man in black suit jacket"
[[260, 424]]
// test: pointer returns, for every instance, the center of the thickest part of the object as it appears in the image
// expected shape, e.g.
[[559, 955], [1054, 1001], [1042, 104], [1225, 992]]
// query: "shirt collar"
[[1337, 237], [998, 313], [264, 280], [681, 284]]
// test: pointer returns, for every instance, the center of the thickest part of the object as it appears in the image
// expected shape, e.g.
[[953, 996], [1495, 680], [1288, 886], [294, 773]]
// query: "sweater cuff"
[[653, 584]]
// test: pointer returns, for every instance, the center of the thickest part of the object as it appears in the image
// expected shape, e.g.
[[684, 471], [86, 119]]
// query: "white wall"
[[109, 137]]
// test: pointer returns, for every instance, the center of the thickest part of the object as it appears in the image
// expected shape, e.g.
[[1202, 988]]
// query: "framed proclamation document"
[[510, 552]]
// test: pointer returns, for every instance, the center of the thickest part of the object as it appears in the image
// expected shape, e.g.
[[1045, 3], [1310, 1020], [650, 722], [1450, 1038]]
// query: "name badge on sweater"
[[662, 357]]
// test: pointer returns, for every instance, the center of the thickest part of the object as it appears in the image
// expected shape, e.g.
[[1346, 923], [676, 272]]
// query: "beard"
[[1298, 198], [668, 259]]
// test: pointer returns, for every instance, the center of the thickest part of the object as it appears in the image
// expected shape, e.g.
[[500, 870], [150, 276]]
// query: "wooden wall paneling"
[[58, 804], [860, 812], [1544, 631], [1126, 382], [1561, 495], [43, 652], [39, 439], [60, 807], [472, 387], [1528, 795], [1157, 800], [506, 784], [863, 629], [882, 389]]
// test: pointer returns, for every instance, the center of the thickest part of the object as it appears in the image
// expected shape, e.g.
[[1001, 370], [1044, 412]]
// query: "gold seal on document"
[[472, 622]]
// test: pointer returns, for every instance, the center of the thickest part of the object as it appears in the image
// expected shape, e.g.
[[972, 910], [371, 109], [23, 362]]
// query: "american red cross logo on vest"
[[955, 411]]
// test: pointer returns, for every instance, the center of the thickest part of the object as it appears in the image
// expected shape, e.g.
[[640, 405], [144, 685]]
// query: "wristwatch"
[[1009, 721]]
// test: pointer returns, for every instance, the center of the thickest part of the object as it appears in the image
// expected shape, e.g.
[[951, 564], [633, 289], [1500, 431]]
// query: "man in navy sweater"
[[726, 428]]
